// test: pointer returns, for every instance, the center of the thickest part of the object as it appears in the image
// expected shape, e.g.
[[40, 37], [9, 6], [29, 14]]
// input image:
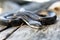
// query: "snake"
[[29, 13]]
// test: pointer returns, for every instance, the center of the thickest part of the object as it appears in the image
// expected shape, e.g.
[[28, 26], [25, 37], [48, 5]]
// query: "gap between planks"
[[6, 33]]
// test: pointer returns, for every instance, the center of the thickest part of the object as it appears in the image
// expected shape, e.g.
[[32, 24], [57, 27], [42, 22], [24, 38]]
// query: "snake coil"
[[32, 18]]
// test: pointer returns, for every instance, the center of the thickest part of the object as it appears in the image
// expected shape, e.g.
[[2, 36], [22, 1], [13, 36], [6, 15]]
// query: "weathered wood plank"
[[6, 32], [2, 28], [51, 32], [22, 33]]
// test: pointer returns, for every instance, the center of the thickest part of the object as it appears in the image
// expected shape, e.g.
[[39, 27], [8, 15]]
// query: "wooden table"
[[49, 32]]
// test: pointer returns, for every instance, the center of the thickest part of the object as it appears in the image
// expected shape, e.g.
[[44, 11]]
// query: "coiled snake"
[[31, 13]]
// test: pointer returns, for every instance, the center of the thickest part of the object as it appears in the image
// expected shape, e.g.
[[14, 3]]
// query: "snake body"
[[29, 15]]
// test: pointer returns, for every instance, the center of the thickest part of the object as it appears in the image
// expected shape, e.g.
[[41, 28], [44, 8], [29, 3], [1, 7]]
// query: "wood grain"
[[50, 32], [6, 32]]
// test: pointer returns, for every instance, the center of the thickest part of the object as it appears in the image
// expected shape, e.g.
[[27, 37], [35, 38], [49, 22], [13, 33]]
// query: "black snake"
[[28, 13]]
